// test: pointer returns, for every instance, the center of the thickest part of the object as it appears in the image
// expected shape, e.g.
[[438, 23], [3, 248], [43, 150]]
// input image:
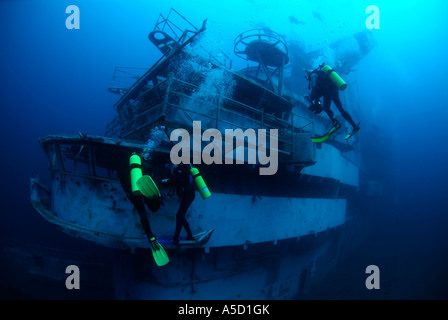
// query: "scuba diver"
[[182, 181], [325, 82], [131, 169]]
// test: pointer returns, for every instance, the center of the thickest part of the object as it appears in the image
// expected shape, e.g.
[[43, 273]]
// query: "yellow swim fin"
[[159, 254], [148, 188], [355, 131], [328, 135]]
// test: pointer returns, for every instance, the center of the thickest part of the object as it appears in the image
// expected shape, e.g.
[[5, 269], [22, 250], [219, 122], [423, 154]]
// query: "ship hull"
[[285, 270], [263, 247], [99, 211]]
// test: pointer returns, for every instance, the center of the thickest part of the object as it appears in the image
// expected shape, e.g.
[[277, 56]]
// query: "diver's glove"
[[316, 107]]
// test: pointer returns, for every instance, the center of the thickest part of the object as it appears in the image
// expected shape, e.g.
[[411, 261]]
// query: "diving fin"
[[328, 135], [147, 187], [159, 254], [355, 131]]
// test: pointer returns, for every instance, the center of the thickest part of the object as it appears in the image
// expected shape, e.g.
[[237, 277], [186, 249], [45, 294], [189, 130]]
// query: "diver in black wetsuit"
[[138, 201], [183, 184], [322, 86]]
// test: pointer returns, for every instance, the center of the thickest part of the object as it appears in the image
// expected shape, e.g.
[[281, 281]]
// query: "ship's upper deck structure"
[[184, 86]]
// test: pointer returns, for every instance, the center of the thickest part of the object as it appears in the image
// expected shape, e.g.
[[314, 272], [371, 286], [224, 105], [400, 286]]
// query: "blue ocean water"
[[54, 80]]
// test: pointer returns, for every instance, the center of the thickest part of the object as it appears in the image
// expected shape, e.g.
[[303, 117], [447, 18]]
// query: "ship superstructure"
[[272, 234]]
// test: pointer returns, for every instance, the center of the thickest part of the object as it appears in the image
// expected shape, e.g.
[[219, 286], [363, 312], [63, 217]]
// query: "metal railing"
[[171, 23], [178, 96], [261, 35], [126, 76]]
